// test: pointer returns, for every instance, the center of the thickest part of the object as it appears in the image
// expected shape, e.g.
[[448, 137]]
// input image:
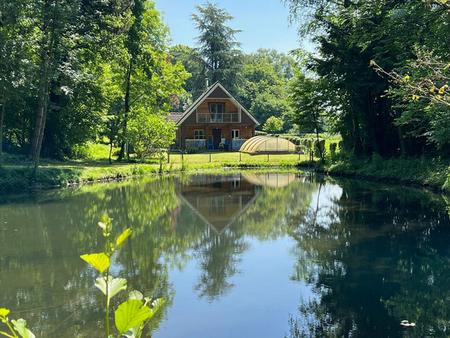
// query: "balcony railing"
[[218, 118]]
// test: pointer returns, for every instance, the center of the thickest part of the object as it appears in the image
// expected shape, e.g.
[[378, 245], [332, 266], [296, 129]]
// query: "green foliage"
[[17, 328], [132, 315], [273, 125], [308, 101], [353, 35], [150, 134], [423, 95], [74, 70], [217, 45], [263, 87], [100, 261]]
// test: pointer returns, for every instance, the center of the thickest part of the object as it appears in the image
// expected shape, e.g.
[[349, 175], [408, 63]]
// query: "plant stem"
[[11, 329], [107, 305], [6, 334]]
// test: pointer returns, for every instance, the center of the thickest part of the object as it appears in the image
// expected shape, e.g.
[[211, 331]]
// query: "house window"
[[199, 134], [216, 110], [235, 133]]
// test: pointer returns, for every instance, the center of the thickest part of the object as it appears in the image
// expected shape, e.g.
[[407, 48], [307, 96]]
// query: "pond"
[[241, 255]]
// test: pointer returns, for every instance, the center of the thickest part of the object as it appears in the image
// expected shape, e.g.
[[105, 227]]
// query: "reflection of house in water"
[[219, 200]]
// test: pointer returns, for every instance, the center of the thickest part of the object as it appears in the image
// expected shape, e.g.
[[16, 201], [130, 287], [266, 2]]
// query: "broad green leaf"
[[20, 325], [123, 236], [131, 314], [4, 312], [115, 285], [100, 261]]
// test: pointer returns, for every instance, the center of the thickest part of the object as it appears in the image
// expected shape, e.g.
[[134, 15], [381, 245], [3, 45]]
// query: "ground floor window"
[[199, 134], [235, 133]]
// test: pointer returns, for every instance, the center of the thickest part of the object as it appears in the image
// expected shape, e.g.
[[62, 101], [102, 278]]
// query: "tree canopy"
[[372, 112], [77, 71]]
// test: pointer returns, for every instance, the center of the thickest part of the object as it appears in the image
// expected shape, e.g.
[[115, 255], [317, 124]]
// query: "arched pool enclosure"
[[268, 145]]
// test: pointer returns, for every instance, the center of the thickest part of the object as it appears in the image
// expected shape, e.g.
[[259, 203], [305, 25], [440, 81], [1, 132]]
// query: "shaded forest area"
[[382, 73]]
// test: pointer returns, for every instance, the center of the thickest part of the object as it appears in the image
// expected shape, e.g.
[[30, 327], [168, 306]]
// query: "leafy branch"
[[429, 79], [132, 315]]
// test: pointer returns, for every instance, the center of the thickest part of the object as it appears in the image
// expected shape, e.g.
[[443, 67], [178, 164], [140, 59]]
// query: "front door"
[[217, 137]]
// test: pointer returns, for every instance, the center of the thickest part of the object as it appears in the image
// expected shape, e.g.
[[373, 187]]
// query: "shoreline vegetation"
[[16, 175]]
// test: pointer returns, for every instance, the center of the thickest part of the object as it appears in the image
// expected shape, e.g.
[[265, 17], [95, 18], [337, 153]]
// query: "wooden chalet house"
[[215, 121]]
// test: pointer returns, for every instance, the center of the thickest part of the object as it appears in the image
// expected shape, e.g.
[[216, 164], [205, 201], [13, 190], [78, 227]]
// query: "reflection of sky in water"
[[323, 202], [258, 305]]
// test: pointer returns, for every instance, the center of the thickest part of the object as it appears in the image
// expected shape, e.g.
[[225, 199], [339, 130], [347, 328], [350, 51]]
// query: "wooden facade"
[[216, 121]]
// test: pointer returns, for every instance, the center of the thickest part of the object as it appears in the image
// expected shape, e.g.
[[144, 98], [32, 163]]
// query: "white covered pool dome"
[[268, 145]]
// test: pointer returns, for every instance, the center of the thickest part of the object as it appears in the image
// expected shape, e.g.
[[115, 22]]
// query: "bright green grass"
[[17, 173]]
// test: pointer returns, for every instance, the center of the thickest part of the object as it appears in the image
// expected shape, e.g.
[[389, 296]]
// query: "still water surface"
[[245, 255]]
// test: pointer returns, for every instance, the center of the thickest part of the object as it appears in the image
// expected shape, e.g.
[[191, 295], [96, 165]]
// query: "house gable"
[[216, 91]]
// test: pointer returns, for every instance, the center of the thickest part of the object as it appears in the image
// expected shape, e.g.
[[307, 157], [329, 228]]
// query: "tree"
[[349, 34], [308, 104], [150, 79], [194, 64], [263, 88], [273, 124], [421, 90], [151, 135], [217, 45]]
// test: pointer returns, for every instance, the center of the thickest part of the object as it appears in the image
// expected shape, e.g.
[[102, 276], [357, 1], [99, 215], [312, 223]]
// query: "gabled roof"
[[205, 95]]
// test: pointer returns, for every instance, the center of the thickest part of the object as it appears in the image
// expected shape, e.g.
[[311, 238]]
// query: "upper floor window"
[[216, 110]]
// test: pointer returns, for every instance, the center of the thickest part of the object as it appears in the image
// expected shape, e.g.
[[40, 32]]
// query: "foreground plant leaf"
[[4, 312], [123, 236], [20, 325], [131, 314], [157, 305], [100, 261], [115, 285], [136, 295], [106, 225]]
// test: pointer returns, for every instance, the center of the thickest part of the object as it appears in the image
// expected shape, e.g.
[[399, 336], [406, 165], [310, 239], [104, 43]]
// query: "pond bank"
[[16, 178], [431, 173], [425, 172]]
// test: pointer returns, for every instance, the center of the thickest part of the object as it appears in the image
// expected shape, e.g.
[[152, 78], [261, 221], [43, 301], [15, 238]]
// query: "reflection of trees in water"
[[384, 259], [219, 255], [41, 270], [267, 217]]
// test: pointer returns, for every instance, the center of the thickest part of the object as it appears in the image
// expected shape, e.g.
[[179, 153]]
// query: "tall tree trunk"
[[46, 61], [124, 142], [41, 112]]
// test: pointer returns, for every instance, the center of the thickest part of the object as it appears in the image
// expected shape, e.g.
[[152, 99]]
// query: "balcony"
[[218, 118]]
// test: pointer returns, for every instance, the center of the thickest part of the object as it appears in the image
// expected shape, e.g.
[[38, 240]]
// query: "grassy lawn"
[[16, 173], [236, 158]]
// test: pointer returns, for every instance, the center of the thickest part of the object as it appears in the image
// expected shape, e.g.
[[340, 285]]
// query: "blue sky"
[[264, 23]]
